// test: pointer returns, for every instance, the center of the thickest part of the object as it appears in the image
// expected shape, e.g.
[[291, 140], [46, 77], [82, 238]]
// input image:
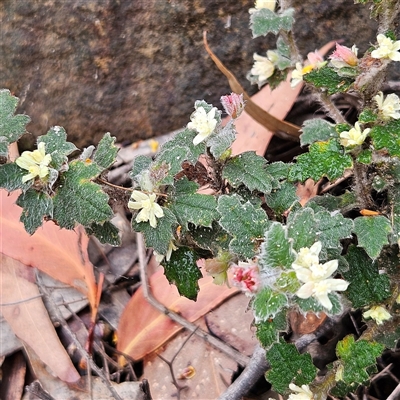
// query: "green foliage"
[[106, 233], [264, 21], [12, 127], [106, 152], [365, 156], [267, 303], [367, 116], [328, 80], [372, 233], [323, 159], [35, 206], [78, 199], [317, 130], [315, 306], [356, 358], [367, 285], [387, 137], [282, 199], [11, 177], [244, 222], [248, 169], [222, 141], [289, 366], [189, 206], [182, 271], [268, 331]]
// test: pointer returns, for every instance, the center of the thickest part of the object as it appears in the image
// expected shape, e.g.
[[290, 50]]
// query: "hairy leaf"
[[283, 198], [372, 233], [106, 152], [315, 306], [264, 21], [140, 163], [317, 130], [301, 228], [11, 177], [267, 303], [367, 285], [387, 137], [268, 331], [287, 363], [213, 239], [106, 233], [223, 140], [12, 127]]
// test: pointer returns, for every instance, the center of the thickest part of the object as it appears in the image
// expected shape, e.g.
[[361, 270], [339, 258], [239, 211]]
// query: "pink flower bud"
[[233, 104], [344, 56], [246, 277]]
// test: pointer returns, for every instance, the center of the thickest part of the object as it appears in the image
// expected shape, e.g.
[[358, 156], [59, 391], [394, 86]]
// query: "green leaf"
[[313, 305], [267, 303], [106, 152], [244, 222], [301, 228], [283, 198], [78, 199], [323, 159], [276, 251], [106, 233], [387, 137], [12, 127], [317, 130], [389, 333], [140, 163], [357, 357], [268, 331], [223, 140], [189, 206], [36, 206], [158, 238], [394, 196], [367, 285], [264, 21], [57, 146], [182, 271], [289, 366], [367, 116], [328, 79], [344, 202], [213, 239], [248, 169], [11, 177], [278, 171], [365, 157], [372, 233]]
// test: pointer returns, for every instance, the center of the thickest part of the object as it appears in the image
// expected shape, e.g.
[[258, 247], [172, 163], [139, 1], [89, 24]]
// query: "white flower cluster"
[[203, 122], [150, 210], [315, 276], [354, 137]]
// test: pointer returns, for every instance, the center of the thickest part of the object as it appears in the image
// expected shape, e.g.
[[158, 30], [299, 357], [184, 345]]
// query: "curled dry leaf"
[[60, 253], [142, 329]]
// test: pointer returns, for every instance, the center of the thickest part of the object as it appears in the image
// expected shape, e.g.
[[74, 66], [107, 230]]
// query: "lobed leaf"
[[323, 159], [313, 305], [244, 222], [372, 233], [287, 363], [268, 331], [317, 130], [267, 303], [12, 127], [387, 137], [264, 21], [11, 178], [106, 152], [106, 233], [283, 198], [248, 169], [222, 140]]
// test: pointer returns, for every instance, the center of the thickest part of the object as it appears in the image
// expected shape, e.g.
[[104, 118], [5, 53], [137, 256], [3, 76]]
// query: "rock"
[[135, 68]]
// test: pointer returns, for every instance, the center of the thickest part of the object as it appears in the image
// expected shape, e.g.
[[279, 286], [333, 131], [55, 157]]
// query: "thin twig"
[[240, 358], [20, 301], [76, 342]]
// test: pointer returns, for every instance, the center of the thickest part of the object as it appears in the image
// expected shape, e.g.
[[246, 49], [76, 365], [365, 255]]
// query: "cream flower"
[[270, 4], [354, 137], [302, 393], [36, 162], [389, 107], [203, 122], [262, 67], [378, 314], [316, 276], [387, 48], [150, 210]]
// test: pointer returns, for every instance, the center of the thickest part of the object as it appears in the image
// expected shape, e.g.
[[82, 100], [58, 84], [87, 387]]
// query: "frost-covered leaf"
[[182, 271], [106, 152], [276, 250], [244, 222], [12, 127], [328, 79], [387, 137], [268, 331], [36, 206], [57, 146], [106, 233], [267, 303], [283, 198], [317, 130], [248, 169], [78, 199], [289, 366], [357, 357], [372, 233], [367, 285], [11, 177], [264, 21], [222, 141], [189, 206], [158, 238], [323, 159]]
